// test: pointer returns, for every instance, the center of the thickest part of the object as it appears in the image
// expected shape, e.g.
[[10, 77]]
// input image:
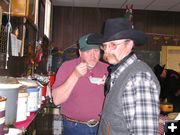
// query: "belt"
[[89, 123]]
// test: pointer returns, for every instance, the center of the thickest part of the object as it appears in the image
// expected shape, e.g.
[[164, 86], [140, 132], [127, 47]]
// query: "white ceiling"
[[160, 5]]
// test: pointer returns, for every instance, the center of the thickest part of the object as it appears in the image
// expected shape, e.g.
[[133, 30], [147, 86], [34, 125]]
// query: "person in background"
[[170, 85], [79, 90], [131, 105]]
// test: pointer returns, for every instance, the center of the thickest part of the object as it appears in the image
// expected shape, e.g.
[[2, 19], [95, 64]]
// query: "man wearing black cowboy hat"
[[132, 89], [170, 86]]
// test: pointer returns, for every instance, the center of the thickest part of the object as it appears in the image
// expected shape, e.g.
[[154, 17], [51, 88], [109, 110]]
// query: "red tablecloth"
[[27, 122], [162, 120]]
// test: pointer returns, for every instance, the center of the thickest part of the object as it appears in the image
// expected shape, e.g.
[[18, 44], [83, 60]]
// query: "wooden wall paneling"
[[176, 28], [152, 22], [176, 23], [90, 20], [79, 23], [78, 26], [67, 28], [117, 12], [153, 26], [139, 22], [165, 23], [161, 22], [74, 23], [56, 26]]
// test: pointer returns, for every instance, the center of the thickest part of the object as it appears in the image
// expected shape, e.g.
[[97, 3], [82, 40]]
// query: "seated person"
[[170, 85]]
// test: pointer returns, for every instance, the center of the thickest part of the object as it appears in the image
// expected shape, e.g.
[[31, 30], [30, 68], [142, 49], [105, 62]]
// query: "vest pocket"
[[104, 128], [113, 127]]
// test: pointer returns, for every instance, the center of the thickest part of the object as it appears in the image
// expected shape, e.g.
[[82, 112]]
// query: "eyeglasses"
[[112, 45]]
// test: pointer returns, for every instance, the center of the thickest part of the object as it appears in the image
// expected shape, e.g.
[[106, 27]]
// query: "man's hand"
[[81, 69]]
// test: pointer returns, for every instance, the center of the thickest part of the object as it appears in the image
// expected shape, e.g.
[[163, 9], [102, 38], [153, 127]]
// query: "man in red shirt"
[[79, 90]]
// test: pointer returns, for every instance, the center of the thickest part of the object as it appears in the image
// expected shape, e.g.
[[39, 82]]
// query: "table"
[[162, 120], [27, 122], [29, 125]]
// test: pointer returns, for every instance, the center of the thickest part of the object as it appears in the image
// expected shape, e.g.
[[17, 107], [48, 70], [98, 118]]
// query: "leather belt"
[[89, 123]]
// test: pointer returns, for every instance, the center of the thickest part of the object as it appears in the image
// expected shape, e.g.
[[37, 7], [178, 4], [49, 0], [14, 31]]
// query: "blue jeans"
[[73, 128]]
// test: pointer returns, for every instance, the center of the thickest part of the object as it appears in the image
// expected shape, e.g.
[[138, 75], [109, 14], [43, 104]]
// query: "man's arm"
[[142, 105], [61, 93]]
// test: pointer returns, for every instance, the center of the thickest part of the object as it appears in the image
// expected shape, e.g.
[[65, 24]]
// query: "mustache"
[[112, 55]]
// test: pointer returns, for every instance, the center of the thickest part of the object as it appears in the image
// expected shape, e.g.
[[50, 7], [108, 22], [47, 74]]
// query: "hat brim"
[[158, 69], [89, 47], [139, 38]]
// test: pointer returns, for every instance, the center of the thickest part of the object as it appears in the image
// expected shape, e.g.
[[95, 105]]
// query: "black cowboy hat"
[[158, 69], [116, 29]]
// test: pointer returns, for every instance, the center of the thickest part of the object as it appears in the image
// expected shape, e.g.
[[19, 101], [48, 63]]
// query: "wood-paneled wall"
[[70, 23]]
